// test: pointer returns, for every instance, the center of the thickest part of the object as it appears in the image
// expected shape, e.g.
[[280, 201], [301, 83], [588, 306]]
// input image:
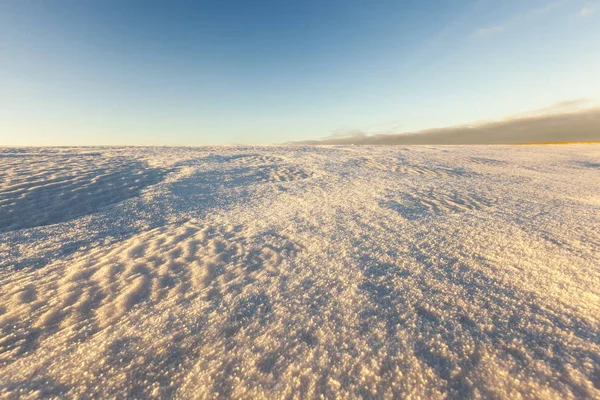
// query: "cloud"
[[519, 19], [571, 126], [548, 7], [346, 133], [586, 11], [561, 106], [482, 32]]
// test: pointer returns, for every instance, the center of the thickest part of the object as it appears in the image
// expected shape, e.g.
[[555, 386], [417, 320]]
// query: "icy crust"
[[336, 272]]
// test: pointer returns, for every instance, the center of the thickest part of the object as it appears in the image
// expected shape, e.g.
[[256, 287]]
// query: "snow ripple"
[[41, 189]]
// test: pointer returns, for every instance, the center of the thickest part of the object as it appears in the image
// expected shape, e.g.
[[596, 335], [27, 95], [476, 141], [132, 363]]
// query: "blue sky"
[[146, 72]]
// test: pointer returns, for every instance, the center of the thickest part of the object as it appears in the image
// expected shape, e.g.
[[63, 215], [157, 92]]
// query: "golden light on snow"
[[343, 272]]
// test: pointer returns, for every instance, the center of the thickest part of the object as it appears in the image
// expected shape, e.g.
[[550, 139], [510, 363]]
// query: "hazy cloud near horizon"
[[558, 107], [345, 133], [540, 126]]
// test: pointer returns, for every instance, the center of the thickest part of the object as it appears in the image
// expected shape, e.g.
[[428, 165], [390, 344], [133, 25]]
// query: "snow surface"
[[278, 272]]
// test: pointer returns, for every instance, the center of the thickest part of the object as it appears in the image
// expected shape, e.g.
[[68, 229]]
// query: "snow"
[[350, 272]]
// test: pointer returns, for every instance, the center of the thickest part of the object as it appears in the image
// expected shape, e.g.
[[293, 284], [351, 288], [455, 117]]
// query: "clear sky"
[[146, 72]]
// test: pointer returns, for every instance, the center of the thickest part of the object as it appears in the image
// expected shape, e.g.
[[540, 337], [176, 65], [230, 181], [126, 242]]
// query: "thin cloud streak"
[[482, 32], [487, 31], [558, 107]]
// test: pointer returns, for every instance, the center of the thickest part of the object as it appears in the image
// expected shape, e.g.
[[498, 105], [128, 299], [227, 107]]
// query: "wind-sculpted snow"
[[406, 168], [307, 272], [42, 188], [431, 203]]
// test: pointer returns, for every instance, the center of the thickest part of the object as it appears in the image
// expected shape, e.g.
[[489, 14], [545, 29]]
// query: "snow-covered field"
[[280, 272]]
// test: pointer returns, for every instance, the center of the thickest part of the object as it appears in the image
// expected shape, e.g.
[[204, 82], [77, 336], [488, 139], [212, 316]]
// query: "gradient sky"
[[146, 72]]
